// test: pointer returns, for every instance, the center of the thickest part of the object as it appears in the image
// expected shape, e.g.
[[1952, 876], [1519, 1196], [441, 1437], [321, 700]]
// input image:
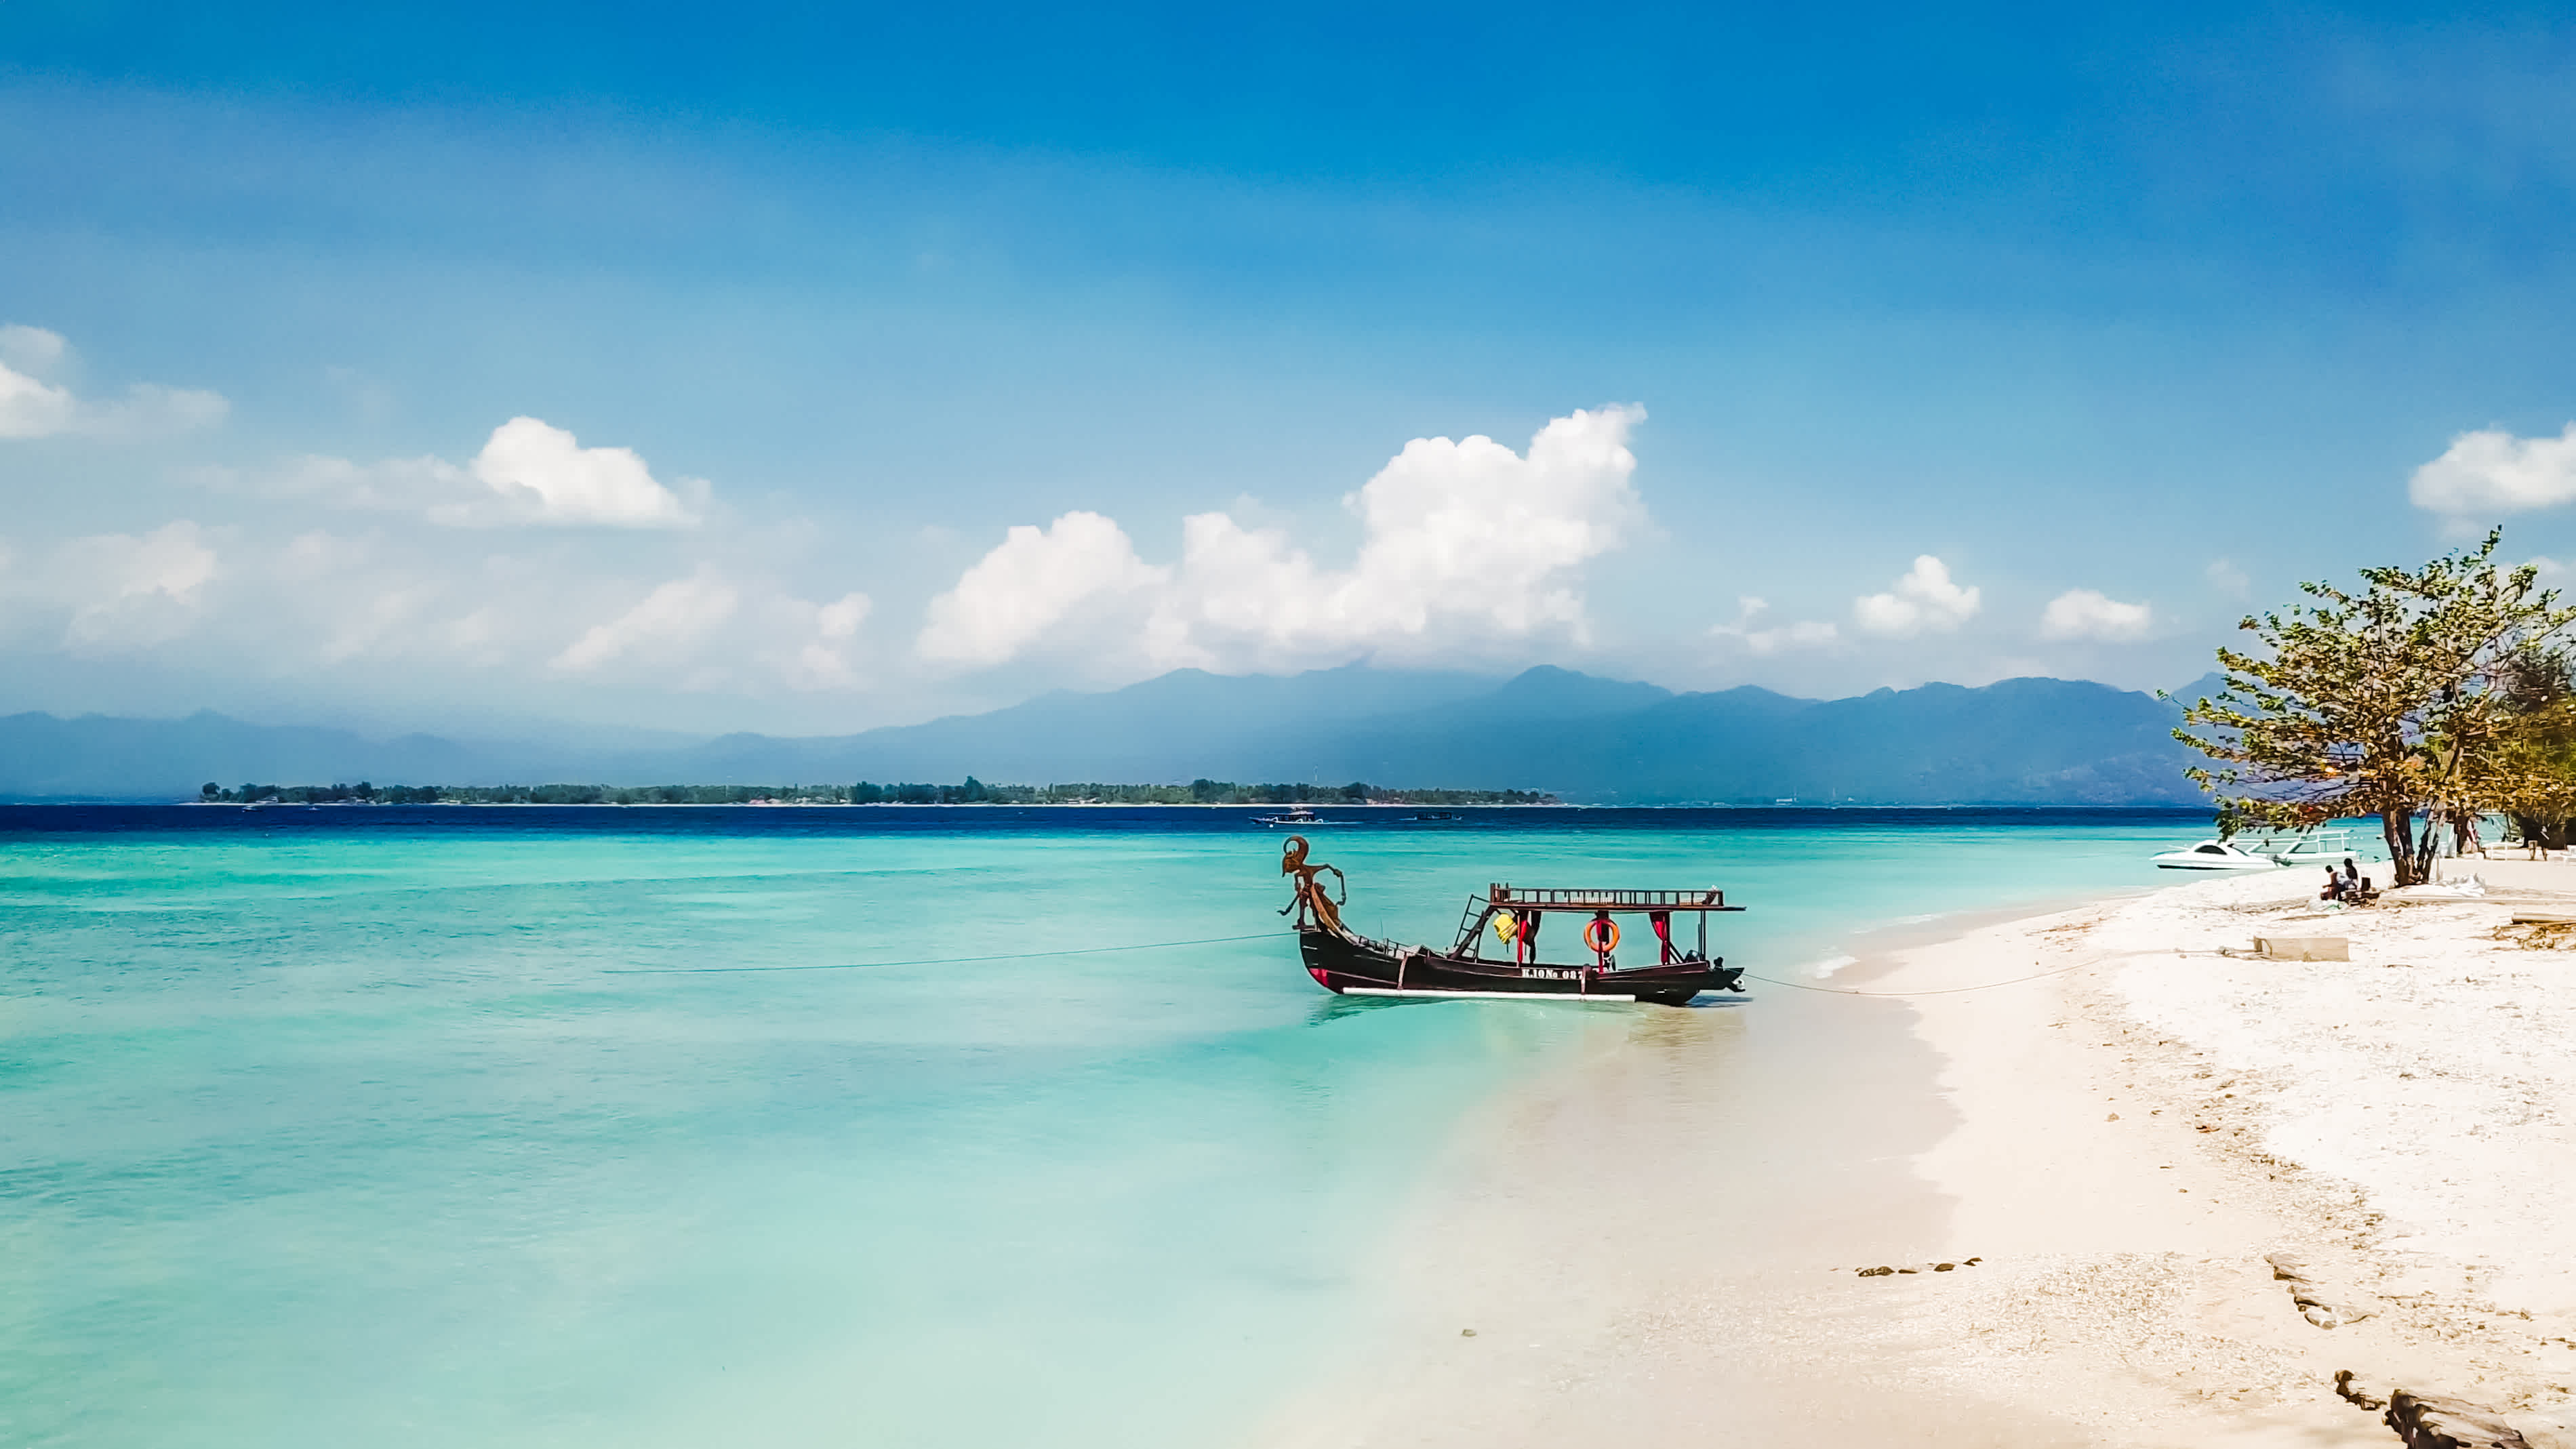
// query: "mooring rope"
[[931, 960], [1269, 935], [1942, 991]]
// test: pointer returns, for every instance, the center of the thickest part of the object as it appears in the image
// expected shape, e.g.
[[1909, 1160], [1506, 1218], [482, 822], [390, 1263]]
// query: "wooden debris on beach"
[[2432, 1423], [2304, 1291], [2424, 1421], [2303, 948], [1884, 1271], [2530, 931]]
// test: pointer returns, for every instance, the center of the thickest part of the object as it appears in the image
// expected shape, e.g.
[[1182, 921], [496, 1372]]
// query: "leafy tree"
[[2394, 701], [2531, 777]]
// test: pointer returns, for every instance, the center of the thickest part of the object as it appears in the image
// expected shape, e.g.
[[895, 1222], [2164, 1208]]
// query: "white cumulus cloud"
[[30, 407], [2089, 614], [1801, 634], [126, 590], [824, 661], [1463, 542], [149, 410], [2490, 471], [529, 472], [661, 628], [1923, 599], [709, 630], [543, 475], [32, 349], [1028, 584]]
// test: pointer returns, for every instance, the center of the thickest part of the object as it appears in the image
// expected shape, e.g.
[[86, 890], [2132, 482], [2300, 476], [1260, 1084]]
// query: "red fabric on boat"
[[1662, 921]]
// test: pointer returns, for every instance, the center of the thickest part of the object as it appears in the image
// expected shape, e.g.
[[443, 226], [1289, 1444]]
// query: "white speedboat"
[[2216, 855], [1298, 816]]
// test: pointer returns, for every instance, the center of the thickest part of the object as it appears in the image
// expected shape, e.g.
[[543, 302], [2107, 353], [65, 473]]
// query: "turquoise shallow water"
[[496, 1127]]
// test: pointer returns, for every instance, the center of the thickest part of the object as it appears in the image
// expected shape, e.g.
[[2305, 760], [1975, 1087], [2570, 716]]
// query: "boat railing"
[[2305, 844], [1504, 898]]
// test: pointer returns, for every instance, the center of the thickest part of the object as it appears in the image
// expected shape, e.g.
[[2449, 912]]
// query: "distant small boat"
[[1299, 816], [1349, 964], [1433, 817]]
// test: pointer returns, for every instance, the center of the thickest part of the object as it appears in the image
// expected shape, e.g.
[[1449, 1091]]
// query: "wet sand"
[[1659, 1245], [1655, 1246]]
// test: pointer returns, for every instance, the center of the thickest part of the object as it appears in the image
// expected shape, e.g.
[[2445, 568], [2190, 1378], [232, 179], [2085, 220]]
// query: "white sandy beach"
[[2126, 1147]]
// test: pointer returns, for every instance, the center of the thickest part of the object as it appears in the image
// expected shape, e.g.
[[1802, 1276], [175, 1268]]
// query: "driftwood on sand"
[[2424, 1421], [2314, 1304]]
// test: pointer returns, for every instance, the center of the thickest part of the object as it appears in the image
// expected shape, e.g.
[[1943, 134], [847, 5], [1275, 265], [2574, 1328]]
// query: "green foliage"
[[2533, 775], [2393, 701]]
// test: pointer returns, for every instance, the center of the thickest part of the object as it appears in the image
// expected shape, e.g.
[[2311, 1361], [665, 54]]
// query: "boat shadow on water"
[[1337, 1008]]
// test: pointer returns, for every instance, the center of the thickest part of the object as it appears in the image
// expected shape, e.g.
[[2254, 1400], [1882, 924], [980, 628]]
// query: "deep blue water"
[[772, 820]]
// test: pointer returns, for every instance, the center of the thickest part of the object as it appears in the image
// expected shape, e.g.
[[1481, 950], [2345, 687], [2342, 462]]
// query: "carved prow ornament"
[[1310, 894]]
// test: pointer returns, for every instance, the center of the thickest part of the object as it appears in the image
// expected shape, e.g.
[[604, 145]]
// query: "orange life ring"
[[1594, 932]]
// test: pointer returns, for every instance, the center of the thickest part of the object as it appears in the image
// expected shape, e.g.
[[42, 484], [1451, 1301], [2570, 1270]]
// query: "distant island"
[[1585, 740], [971, 792]]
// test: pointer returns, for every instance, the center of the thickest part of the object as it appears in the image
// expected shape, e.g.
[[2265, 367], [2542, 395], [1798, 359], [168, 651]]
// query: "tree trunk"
[[2397, 825]]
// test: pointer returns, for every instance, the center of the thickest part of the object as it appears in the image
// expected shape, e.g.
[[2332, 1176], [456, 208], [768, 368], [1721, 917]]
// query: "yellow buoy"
[[1506, 926]]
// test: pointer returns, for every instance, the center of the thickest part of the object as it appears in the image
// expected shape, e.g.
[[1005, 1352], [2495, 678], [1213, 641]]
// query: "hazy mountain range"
[[2029, 741]]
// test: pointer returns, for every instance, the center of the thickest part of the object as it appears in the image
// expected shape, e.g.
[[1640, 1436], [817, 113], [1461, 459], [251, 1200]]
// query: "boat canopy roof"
[[1509, 898]]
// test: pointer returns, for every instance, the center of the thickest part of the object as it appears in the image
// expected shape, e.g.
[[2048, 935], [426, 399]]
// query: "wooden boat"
[[1345, 962]]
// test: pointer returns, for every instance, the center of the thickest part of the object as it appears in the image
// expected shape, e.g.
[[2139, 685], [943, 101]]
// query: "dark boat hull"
[[1356, 966]]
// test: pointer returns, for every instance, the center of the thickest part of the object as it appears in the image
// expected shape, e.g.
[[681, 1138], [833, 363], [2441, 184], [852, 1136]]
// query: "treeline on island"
[[971, 792]]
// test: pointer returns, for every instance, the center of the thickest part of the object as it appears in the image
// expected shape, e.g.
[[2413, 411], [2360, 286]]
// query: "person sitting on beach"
[[2356, 886], [2334, 886]]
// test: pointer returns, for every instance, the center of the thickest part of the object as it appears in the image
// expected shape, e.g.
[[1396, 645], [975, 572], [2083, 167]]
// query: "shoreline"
[[2129, 1148]]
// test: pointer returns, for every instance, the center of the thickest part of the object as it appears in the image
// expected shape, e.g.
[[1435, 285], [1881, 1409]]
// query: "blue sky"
[[2125, 323]]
